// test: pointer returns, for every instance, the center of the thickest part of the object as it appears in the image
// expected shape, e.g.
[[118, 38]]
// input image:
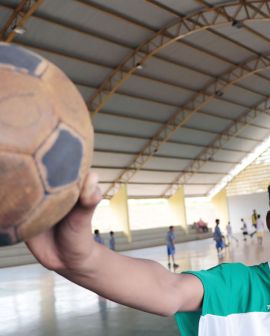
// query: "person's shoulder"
[[223, 273], [228, 267]]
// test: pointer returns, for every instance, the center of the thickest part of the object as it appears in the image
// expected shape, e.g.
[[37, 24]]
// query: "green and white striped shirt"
[[236, 302]]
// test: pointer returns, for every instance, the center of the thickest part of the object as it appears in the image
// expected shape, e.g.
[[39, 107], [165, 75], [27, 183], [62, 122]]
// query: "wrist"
[[82, 263]]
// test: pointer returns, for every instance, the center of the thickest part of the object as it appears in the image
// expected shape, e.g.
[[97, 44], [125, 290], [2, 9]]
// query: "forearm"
[[138, 283]]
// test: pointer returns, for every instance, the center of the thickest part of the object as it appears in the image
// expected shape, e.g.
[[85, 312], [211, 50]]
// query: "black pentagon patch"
[[19, 58], [63, 160]]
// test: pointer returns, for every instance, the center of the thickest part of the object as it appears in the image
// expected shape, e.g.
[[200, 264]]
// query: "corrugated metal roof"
[[147, 113]]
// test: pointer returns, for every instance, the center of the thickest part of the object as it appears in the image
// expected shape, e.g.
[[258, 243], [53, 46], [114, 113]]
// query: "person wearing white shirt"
[[260, 229]]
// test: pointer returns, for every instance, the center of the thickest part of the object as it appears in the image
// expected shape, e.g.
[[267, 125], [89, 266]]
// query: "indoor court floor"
[[36, 302]]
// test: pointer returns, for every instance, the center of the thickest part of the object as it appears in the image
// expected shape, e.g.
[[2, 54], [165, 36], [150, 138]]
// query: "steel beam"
[[218, 143], [184, 113], [18, 18], [182, 27]]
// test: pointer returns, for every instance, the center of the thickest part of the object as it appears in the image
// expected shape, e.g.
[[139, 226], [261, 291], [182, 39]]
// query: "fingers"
[[91, 193]]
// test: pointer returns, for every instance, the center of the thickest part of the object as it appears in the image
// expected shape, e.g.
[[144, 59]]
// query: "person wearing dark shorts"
[[170, 242]]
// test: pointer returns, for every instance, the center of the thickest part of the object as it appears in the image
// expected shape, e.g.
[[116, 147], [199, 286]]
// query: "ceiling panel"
[[180, 150], [166, 163], [245, 37], [175, 74], [56, 37], [4, 15], [139, 10], [94, 21], [154, 177], [205, 178], [224, 155], [192, 190], [220, 46], [156, 90], [254, 132], [192, 136], [224, 109], [179, 52], [215, 167], [138, 108], [124, 126], [111, 160], [207, 122], [240, 144], [106, 175], [115, 142], [137, 190], [241, 96], [263, 120], [257, 83]]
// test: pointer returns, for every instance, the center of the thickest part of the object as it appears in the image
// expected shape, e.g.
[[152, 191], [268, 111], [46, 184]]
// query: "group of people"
[[220, 239], [100, 240], [258, 227], [201, 226]]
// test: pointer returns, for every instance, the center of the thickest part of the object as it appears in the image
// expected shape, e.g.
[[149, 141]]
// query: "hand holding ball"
[[46, 142]]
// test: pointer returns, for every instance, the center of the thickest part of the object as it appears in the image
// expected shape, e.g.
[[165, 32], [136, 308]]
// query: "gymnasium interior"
[[178, 94]]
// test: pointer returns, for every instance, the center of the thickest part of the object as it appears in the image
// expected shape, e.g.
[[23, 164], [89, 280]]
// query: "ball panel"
[[52, 209], [20, 59], [26, 112], [72, 111], [59, 159], [21, 189], [63, 160]]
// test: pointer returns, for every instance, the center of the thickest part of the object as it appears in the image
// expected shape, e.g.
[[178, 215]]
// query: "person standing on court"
[[98, 238], [112, 241], [170, 242], [260, 230], [230, 235], [244, 229], [254, 218], [219, 239]]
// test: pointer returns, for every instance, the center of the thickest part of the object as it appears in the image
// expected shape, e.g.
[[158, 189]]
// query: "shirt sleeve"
[[226, 289]]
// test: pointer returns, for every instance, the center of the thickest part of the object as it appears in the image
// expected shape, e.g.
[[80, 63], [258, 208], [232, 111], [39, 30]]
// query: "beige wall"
[[220, 203], [178, 209], [119, 206]]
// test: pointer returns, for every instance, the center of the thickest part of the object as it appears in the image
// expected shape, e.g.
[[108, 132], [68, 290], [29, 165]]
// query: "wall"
[[243, 205]]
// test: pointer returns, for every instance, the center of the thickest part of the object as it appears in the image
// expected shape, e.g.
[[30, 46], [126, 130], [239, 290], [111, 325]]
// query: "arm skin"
[[70, 250]]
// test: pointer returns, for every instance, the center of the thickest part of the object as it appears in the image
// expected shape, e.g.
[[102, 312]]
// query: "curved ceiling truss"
[[184, 113], [18, 18], [218, 143], [182, 27]]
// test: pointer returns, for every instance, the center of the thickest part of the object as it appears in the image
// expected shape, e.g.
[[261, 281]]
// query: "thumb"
[[90, 193]]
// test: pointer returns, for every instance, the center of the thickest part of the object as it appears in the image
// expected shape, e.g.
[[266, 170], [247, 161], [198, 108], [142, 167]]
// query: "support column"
[[178, 208], [220, 203], [119, 205]]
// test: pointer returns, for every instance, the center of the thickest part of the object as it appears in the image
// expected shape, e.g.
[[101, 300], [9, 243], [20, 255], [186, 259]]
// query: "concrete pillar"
[[178, 208], [220, 203], [119, 206]]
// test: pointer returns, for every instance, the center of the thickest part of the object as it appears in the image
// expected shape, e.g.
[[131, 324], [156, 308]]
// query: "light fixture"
[[139, 66], [19, 30], [237, 24], [219, 93]]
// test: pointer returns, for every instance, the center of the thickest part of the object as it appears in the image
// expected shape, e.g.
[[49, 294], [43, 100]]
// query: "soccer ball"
[[46, 144]]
